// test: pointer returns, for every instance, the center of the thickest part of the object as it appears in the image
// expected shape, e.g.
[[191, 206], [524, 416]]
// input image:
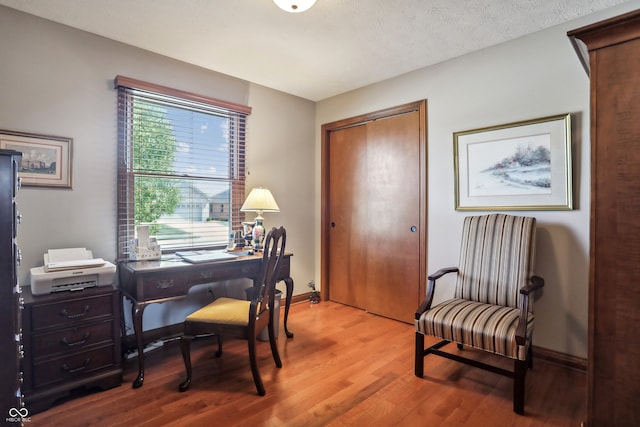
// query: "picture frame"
[[524, 165], [46, 160]]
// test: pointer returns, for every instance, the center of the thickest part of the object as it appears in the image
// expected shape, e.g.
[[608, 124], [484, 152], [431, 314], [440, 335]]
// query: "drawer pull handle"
[[206, 274], [165, 284], [71, 370], [66, 314], [84, 339]]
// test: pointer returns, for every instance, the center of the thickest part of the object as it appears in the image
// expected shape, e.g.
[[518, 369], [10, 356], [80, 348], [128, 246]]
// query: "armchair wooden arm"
[[535, 283], [426, 304]]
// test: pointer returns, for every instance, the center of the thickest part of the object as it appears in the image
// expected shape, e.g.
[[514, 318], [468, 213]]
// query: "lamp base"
[[258, 234]]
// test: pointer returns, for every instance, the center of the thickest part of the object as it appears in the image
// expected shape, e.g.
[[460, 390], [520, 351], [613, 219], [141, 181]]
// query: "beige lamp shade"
[[260, 200]]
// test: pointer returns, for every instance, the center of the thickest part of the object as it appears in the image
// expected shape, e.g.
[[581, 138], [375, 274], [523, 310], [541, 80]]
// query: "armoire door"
[[613, 372], [374, 203]]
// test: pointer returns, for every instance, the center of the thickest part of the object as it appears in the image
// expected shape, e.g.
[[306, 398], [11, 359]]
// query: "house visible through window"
[[181, 166]]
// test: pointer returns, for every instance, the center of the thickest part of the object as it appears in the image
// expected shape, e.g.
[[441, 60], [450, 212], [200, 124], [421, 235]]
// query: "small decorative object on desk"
[[231, 246], [314, 298], [247, 230], [144, 253], [143, 247]]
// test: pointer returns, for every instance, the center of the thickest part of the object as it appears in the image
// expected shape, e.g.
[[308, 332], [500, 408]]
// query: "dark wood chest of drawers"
[[71, 340]]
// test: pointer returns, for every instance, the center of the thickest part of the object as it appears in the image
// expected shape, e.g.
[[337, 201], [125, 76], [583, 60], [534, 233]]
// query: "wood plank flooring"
[[344, 367]]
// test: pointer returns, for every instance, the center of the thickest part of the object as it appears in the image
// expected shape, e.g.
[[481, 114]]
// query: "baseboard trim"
[[299, 298], [563, 359]]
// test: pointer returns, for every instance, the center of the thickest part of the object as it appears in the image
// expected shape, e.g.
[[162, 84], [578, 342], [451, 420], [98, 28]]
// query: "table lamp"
[[259, 200]]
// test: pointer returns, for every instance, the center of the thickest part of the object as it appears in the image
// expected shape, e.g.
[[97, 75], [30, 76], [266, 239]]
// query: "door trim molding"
[[326, 129]]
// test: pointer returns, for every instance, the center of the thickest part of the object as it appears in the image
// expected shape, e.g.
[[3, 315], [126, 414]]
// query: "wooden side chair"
[[492, 309], [239, 318]]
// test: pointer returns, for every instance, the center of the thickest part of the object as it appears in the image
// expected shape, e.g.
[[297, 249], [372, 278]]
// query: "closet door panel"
[[393, 158], [348, 233]]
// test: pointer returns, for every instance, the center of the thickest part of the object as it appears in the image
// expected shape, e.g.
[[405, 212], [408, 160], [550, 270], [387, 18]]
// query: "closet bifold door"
[[374, 211]]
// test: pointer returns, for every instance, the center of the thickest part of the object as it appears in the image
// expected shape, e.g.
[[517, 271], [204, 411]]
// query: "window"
[[181, 166]]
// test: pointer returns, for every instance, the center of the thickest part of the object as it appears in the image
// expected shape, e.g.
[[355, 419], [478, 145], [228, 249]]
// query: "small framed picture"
[[46, 160], [516, 166]]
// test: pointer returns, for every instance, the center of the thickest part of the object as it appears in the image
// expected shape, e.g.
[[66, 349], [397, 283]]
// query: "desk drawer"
[[161, 285], [223, 271], [72, 339], [70, 312], [72, 366]]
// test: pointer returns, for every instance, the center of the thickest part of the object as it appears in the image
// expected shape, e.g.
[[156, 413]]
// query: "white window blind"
[[181, 166]]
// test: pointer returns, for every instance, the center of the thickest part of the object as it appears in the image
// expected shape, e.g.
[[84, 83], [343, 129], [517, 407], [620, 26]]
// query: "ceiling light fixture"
[[294, 6]]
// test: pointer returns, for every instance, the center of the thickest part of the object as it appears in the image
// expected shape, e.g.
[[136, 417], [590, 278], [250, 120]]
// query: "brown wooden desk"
[[149, 282]]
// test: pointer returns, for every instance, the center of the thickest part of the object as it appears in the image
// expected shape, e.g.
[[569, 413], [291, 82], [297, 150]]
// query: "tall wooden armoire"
[[613, 62]]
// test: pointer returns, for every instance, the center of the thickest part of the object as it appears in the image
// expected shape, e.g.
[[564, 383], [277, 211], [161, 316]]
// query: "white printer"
[[71, 270]]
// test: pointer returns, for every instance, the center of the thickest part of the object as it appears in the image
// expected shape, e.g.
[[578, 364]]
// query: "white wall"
[[535, 76], [281, 157], [56, 80]]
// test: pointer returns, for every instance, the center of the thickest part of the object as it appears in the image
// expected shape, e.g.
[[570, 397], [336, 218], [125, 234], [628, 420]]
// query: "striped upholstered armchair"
[[492, 309]]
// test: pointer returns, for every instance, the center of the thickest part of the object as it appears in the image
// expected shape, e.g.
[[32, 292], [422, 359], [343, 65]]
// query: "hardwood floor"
[[344, 367]]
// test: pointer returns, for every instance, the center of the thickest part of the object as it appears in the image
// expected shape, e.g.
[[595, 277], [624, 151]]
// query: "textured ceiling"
[[336, 46]]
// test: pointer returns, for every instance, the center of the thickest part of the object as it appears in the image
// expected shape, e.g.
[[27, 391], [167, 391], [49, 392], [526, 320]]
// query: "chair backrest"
[[274, 246], [496, 258]]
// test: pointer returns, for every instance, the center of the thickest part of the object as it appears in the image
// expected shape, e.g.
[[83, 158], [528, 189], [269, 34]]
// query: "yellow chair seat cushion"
[[223, 310]]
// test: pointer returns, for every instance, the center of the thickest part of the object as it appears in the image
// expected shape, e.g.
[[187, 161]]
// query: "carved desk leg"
[[136, 315], [289, 282]]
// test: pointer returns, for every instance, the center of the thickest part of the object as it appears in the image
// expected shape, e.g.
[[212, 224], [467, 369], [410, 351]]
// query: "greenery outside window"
[[181, 166]]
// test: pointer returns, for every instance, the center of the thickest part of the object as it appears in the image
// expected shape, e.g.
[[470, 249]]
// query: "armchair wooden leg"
[[185, 346], [419, 355], [520, 372], [254, 366]]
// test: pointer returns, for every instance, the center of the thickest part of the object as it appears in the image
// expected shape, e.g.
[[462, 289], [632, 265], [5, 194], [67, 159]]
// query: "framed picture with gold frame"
[[516, 166], [46, 160]]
